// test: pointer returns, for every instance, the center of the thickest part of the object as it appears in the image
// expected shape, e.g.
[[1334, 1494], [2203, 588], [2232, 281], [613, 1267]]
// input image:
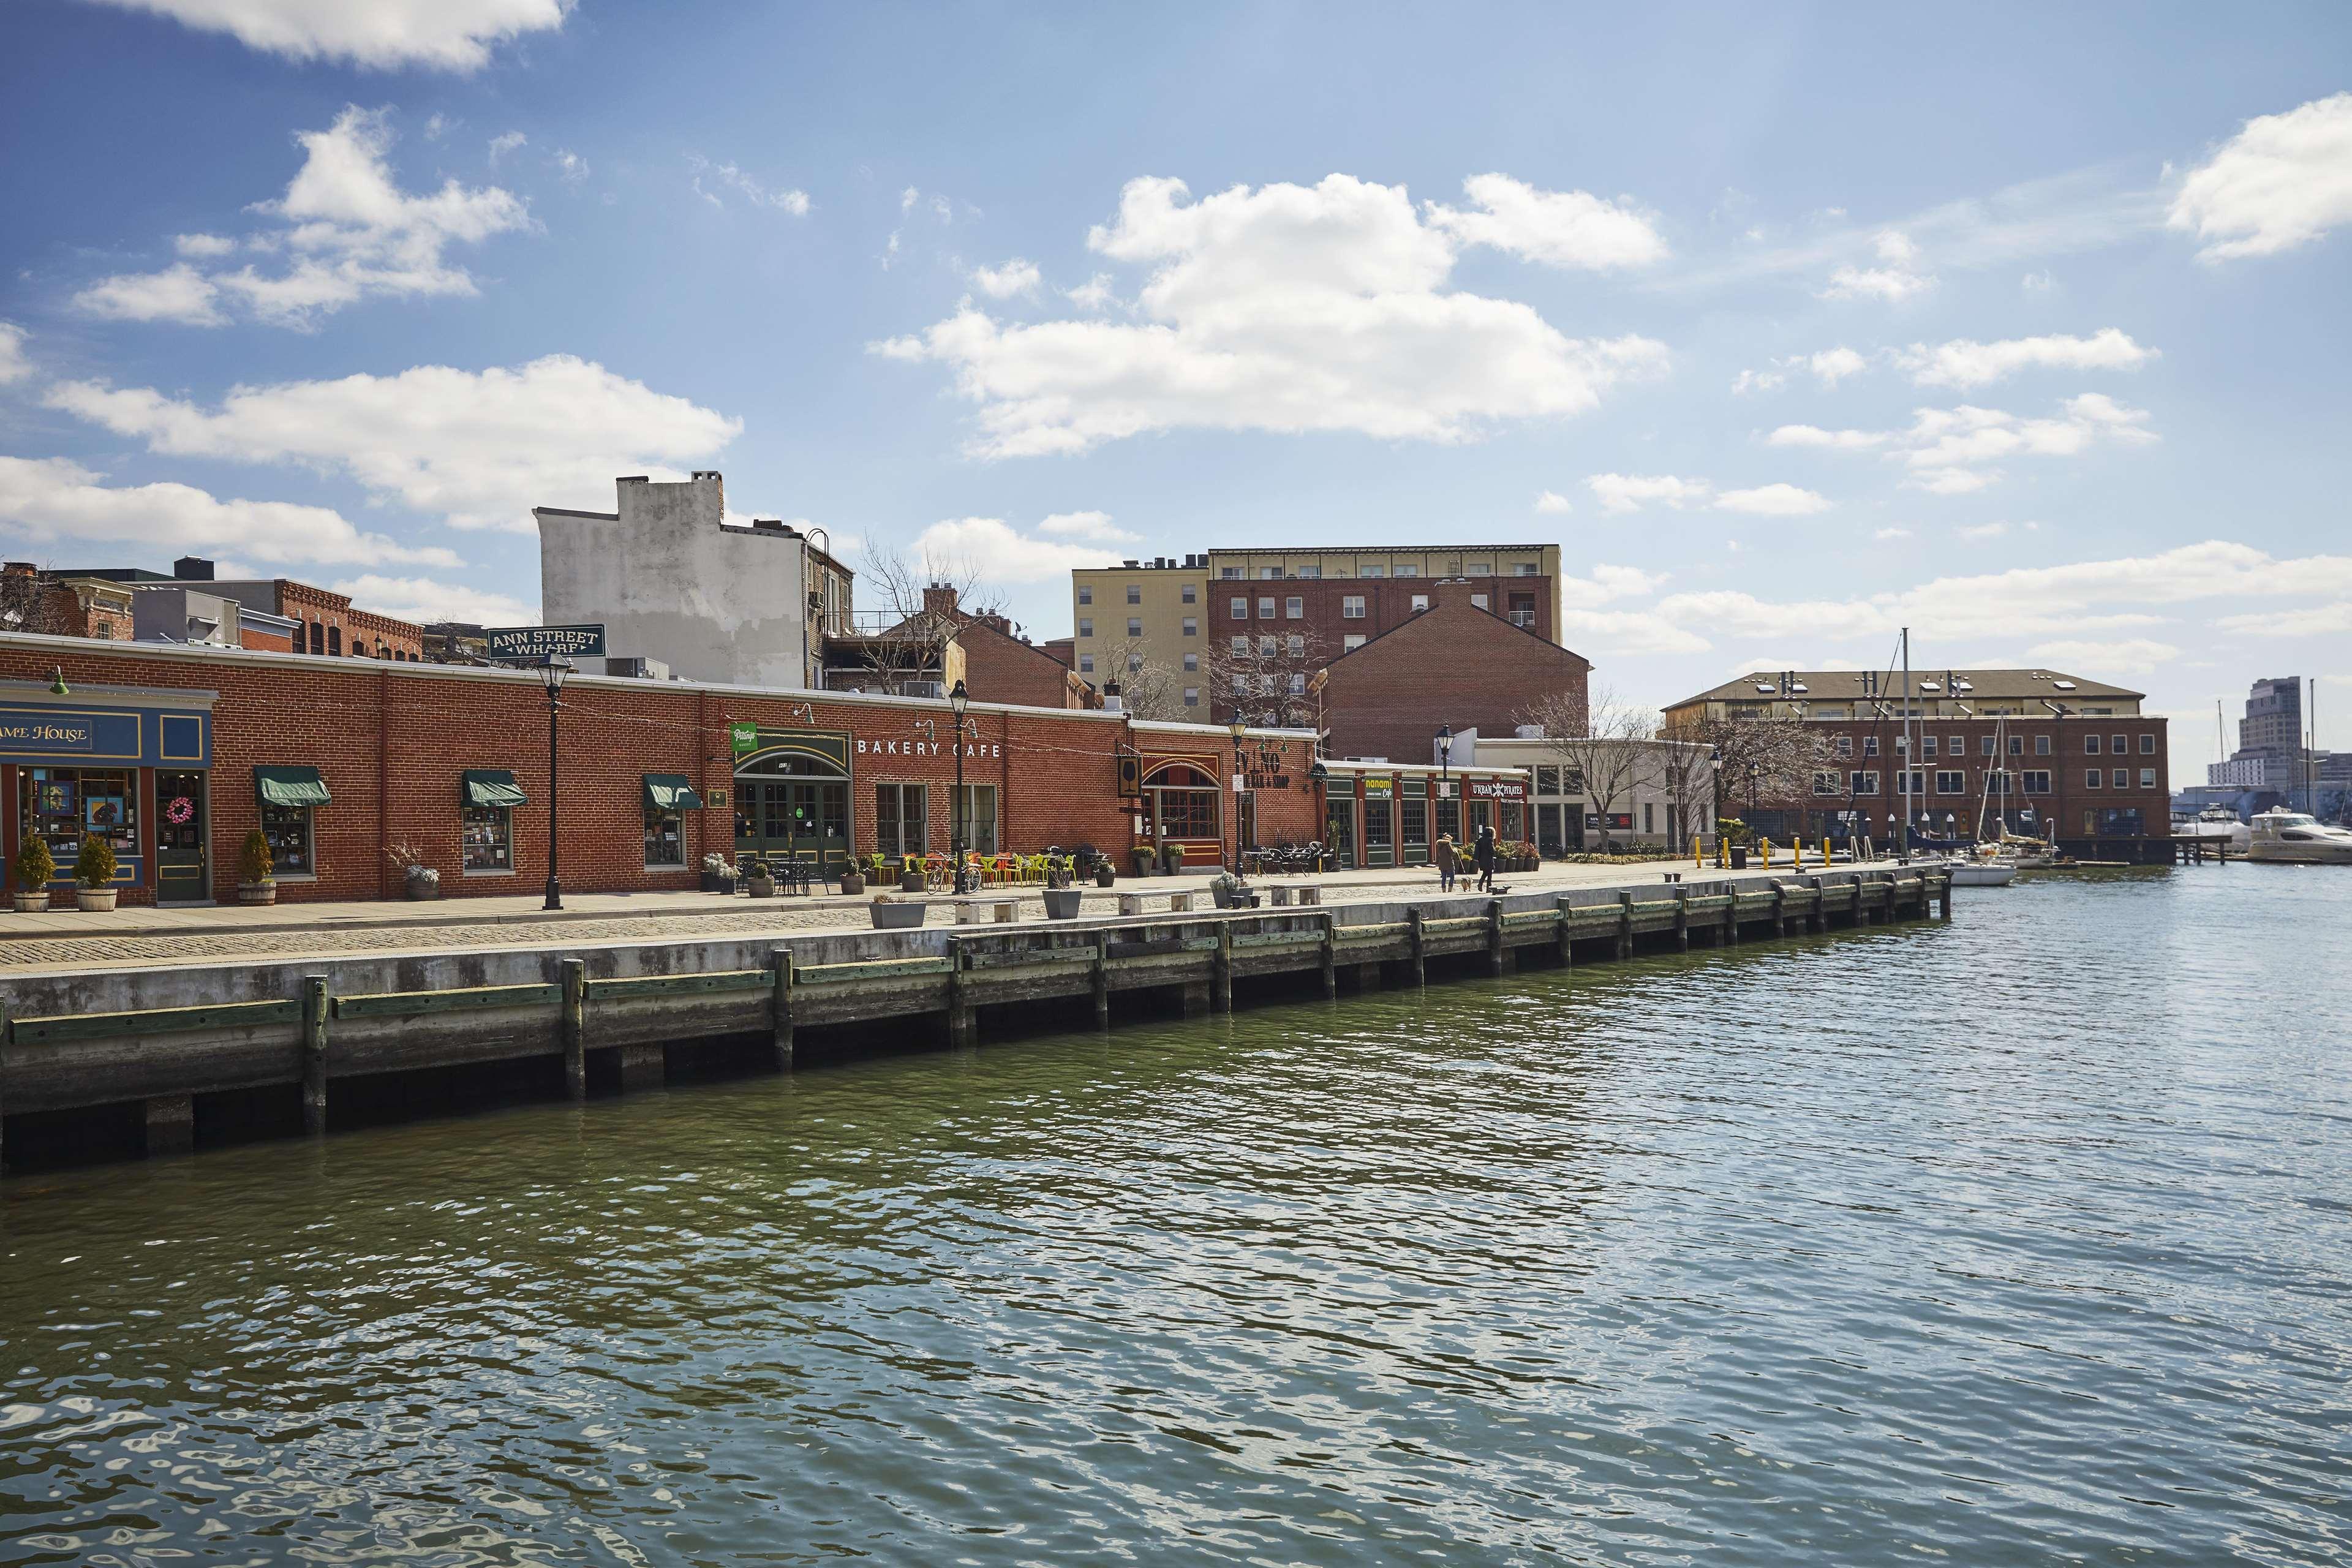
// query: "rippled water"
[[2023, 1239]]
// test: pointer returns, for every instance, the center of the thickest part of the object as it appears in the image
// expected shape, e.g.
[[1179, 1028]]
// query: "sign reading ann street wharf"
[[545, 642]]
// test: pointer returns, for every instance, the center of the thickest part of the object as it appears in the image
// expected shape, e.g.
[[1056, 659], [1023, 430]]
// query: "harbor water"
[[2024, 1238]]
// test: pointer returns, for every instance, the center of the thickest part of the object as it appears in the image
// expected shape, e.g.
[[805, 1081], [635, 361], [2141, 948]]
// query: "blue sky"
[[2027, 330]]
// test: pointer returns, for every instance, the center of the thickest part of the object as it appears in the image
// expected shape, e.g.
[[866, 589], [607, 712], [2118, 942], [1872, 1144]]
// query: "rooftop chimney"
[[193, 569], [1112, 701]]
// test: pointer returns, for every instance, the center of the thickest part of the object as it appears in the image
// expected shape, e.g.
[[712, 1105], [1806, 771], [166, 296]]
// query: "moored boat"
[[2295, 837]]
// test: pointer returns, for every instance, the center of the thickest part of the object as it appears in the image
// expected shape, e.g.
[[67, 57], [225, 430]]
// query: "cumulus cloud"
[[1605, 583], [57, 499], [203, 246], [1284, 307], [477, 449], [450, 35], [2284, 180], [787, 199], [1015, 277], [1815, 436], [1962, 364], [1094, 525], [1829, 366], [1885, 533], [1553, 501], [425, 600], [1949, 450], [348, 231], [507, 141], [1898, 281], [1632, 492], [14, 367], [1093, 294], [1002, 554], [1559, 228]]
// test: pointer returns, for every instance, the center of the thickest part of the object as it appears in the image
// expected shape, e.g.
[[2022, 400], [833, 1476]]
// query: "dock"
[[172, 1057]]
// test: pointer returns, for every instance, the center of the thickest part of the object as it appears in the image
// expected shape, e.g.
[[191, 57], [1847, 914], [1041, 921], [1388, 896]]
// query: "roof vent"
[[1930, 686], [2063, 685], [1799, 687], [768, 524]]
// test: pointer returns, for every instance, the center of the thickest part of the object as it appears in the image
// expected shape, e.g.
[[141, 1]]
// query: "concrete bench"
[[1309, 893], [983, 910], [1131, 904]]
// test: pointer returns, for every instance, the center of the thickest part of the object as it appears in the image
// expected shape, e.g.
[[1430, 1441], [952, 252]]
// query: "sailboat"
[[1991, 866]]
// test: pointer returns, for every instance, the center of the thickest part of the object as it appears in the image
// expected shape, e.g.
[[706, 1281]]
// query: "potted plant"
[[1229, 892], [36, 868], [1141, 856], [1736, 836], [896, 914], [718, 874], [94, 887], [1172, 857], [1062, 903], [911, 876], [853, 878], [257, 872], [421, 882], [1106, 874], [758, 879]]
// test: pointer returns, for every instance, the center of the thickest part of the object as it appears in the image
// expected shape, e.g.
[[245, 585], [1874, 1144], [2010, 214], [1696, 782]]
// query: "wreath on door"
[[181, 809]]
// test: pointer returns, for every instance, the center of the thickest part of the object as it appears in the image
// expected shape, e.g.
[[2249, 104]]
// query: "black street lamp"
[[1444, 760], [1237, 728], [957, 698], [551, 675]]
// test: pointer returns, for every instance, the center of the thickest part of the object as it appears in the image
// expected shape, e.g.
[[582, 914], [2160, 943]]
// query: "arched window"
[[335, 641], [318, 638]]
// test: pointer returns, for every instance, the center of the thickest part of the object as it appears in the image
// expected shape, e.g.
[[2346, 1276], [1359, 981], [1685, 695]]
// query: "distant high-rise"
[[2270, 752]]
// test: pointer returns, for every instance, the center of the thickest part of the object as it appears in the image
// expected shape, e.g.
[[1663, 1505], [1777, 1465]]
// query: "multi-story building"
[[1197, 615], [2045, 752], [272, 614]]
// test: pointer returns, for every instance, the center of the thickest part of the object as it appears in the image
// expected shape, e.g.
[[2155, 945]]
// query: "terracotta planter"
[[258, 893], [32, 903], [98, 900]]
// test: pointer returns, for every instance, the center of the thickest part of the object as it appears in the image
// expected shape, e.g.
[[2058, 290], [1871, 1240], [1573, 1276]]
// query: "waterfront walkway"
[[68, 938]]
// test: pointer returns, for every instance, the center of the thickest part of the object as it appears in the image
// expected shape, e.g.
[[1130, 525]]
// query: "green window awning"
[[491, 786], [671, 792], [290, 786]]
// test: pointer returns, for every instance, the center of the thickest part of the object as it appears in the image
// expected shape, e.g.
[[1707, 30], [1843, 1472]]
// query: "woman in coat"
[[1485, 856]]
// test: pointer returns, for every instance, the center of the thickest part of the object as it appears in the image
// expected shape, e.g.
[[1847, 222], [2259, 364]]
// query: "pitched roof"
[[1981, 686]]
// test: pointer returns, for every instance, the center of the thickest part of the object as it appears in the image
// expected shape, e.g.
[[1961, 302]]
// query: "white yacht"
[[2299, 838], [2216, 825]]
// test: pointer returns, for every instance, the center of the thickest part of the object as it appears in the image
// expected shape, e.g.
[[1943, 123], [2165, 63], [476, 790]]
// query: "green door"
[[182, 873], [797, 819]]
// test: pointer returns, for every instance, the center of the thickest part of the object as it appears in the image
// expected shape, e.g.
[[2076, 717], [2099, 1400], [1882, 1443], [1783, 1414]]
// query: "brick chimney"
[[940, 599]]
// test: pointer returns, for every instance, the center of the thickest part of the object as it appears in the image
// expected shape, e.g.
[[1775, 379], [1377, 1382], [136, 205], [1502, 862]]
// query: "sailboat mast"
[[1910, 750]]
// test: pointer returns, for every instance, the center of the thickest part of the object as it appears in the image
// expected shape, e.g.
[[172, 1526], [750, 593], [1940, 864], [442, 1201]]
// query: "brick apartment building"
[[279, 615], [1456, 662], [2049, 755]]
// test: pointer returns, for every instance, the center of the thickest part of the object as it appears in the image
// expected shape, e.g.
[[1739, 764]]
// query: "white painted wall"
[[671, 582]]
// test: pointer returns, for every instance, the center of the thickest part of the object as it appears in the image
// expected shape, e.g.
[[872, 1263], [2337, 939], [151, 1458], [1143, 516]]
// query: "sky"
[[2026, 330]]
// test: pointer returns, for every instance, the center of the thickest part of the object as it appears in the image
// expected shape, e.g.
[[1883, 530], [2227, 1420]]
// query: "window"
[[485, 832], [1191, 697], [1951, 781], [335, 641], [1270, 573], [1240, 608], [1524, 568], [1134, 664], [1298, 685], [1134, 593], [1085, 626], [1420, 601], [1958, 746], [1229, 572], [1134, 626], [1295, 646], [60, 804], [2041, 745], [1478, 600], [1870, 746], [1241, 685], [2094, 777], [2119, 744], [976, 818], [1265, 684], [902, 818], [2017, 745], [1547, 781], [317, 637], [1373, 571], [1265, 609], [2090, 745], [2122, 779], [2147, 778], [1910, 781], [1085, 664], [1408, 571], [1241, 647], [1827, 784], [665, 806], [2147, 745], [1649, 817], [1192, 663], [1352, 607], [1294, 608], [1266, 647], [1086, 594], [2037, 781], [1845, 745], [1482, 569], [1984, 744], [1926, 745], [1192, 593], [1997, 781], [1310, 572], [1352, 642], [1866, 782]]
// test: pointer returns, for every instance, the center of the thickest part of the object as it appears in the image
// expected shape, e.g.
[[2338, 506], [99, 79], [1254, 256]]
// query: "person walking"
[[1485, 856], [1445, 862]]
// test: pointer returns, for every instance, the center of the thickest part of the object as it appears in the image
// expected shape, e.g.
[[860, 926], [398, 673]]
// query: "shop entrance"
[[182, 873], [1180, 806], [805, 820]]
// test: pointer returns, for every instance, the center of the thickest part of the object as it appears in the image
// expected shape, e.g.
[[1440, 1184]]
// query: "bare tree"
[[1269, 678], [1684, 770], [899, 645], [30, 602], [1601, 742], [1766, 757], [1150, 688]]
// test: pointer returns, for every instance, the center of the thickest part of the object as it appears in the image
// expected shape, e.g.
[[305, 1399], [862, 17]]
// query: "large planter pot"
[[258, 893], [1105, 877], [98, 900], [420, 889], [761, 887], [1142, 860], [1061, 903], [851, 883], [910, 882], [32, 903], [1172, 860], [1221, 895], [714, 882], [896, 916]]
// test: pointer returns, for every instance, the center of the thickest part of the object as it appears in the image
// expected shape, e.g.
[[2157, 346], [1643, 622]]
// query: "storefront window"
[[1340, 829], [288, 828], [1513, 830], [487, 832], [1449, 816], [1376, 826], [1413, 815], [978, 815], [901, 819], [61, 804], [665, 836]]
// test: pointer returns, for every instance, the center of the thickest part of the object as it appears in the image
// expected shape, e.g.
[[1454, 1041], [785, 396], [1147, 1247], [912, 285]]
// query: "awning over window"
[[671, 792], [491, 786], [290, 786]]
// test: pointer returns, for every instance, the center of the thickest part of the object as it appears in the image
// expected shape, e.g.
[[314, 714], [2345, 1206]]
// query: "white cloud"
[[349, 230], [423, 600], [2039, 282], [1606, 582], [57, 499], [2128, 656], [1631, 492], [1885, 533], [477, 449], [1829, 366], [1552, 502], [1834, 365], [2282, 181], [177, 293], [1963, 364], [1950, 450], [1773, 501], [1284, 308], [1890, 284], [1973, 533], [1628, 632], [1748, 381], [1815, 436], [14, 365], [1953, 481], [2318, 620], [451, 35], [203, 246], [1093, 294], [506, 142], [1895, 246], [1000, 552], [1015, 277], [573, 168], [1559, 228], [789, 200], [1094, 525]]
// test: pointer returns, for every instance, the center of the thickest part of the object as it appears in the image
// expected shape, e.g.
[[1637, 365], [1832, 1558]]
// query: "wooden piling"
[[1498, 957], [1330, 953], [170, 1124], [314, 1055], [573, 1024], [1417, 922], [1625, 922], [1564, 935], [1102, 978], [780, 990], [1221, 969], [1682, 918]]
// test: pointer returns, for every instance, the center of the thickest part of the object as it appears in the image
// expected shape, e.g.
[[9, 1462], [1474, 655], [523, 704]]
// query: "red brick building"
[[177, 753], [999, 667], [1454, 663]]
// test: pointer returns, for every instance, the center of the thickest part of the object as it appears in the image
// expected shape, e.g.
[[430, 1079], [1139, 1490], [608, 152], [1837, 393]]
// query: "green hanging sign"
[[743, 737]]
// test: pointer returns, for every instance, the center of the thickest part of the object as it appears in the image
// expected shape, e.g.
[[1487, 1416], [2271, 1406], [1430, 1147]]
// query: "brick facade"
[[1454, 664], [394, 738], [330, 625]]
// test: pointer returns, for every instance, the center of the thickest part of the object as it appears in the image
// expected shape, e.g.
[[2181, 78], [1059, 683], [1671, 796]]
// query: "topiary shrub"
[[94, 862], [253, 862], [35, 867]]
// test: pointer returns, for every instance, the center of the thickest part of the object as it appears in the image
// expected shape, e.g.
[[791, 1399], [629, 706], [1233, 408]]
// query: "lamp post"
[[1237, 728], [551, 675], [1444, 760], [957, 698]]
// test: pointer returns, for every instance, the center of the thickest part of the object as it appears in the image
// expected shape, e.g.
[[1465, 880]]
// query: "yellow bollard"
[[1825, 851], [1698, 855], [1768, 854]]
